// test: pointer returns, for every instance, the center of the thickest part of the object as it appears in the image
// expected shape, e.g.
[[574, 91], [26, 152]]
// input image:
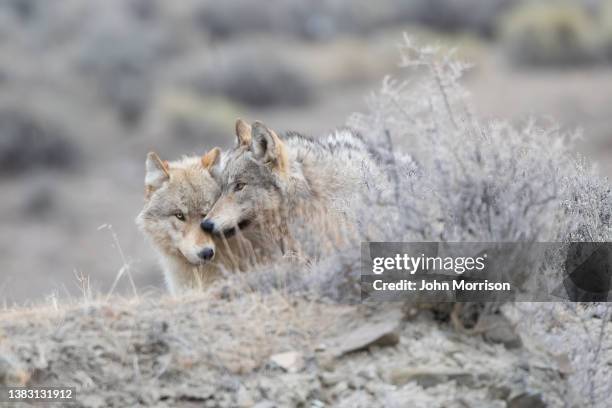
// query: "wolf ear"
[[211, 159], [156, 172], [268, 147], [243, 132]]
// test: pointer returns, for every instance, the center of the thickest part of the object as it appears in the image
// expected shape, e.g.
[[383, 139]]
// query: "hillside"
[[272, 350]]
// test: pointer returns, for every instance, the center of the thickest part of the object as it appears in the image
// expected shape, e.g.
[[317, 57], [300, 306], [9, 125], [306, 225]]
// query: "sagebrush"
[[453, 177]]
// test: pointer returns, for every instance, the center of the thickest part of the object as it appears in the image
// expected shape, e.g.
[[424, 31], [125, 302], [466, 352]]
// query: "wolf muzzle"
[[206, 254], [209, 226]]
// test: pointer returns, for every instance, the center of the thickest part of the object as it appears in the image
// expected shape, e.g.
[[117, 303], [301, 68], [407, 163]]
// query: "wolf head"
[[252, 181], [178, 195]]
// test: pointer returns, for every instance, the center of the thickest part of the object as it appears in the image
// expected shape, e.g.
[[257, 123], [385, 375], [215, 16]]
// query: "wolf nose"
[[207, 254], [207, 226]]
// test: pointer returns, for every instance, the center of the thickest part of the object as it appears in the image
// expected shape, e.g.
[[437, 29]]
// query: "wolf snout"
[[207, 226], [206, 254]]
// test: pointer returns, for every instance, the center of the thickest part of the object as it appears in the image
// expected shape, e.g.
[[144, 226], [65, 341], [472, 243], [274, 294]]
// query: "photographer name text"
[[435, 285]]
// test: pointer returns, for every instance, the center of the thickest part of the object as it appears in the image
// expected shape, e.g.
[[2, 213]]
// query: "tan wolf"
[[178, 195], [269, 183]]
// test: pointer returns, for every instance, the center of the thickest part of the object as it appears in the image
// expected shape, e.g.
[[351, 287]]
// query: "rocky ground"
[[273, 350]]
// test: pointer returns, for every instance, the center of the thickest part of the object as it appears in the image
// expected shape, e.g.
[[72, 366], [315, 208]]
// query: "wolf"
[[178, 195], [271, 184]]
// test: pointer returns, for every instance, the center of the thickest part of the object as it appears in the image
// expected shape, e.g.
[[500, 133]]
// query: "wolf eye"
[[239, 186], [179, 215]]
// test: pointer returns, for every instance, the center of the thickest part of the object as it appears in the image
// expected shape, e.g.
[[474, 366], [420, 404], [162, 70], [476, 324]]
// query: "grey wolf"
[[178, 195], [269, 183]]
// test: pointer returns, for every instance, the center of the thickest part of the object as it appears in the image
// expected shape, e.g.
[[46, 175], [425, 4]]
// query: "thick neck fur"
[[322, 185], [326, 172]]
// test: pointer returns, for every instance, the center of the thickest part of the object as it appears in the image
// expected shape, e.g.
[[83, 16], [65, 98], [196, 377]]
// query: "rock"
[[372, 387], [501, 392], [429, 377], [5, 370], [320, 348], [211, 403], [240, 366], [564, 364], [356, 383], [499, 330], [317, 404], [11, 374], [339, 388], [291, 361], [380, 334], [367, 373], [243, 397], [265, 386], [329, 379], [326, 361], [92, 401], [527, 400], [195, 394], [265, 404]]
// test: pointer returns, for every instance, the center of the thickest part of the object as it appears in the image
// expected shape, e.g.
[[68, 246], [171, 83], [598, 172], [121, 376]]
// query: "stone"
[[499, 392], [92, 401], [291, 361], [499, 330], [382, 334], [265, 404], [243, 397], [356, 382], [329, 379], [11, 374], [564, 364], [339, 388], [429, 377], [527, 400]]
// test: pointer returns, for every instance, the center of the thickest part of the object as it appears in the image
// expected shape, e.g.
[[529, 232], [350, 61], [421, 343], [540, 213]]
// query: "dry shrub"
[[454, 177], [29, 141], [325, 19], [255, 78], [467, 180], [605, 18], [448, 176], [464, 15], [577, 336], [550, 33]]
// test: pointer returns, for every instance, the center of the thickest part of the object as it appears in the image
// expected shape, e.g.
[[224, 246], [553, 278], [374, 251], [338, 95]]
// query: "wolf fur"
[[178, 194], [271, 184]]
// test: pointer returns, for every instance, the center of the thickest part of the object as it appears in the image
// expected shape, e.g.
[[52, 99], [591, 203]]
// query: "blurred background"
[[88, 87]]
